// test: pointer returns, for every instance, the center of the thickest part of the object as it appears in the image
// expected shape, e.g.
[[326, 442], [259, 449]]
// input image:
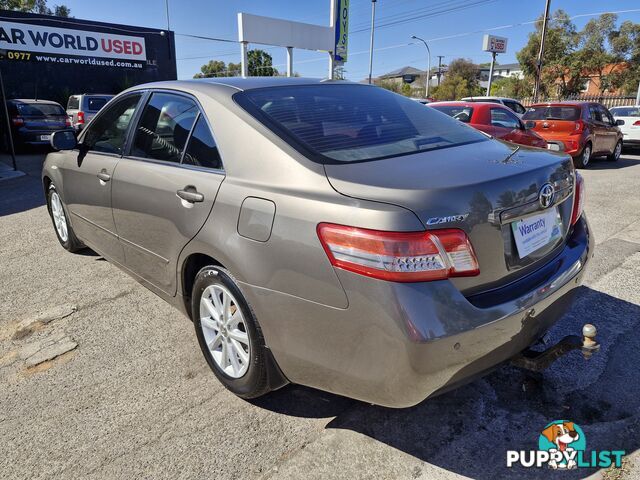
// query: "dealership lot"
[[130, 396]]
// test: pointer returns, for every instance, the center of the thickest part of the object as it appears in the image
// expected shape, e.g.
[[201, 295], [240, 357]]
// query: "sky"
[[453, 34]]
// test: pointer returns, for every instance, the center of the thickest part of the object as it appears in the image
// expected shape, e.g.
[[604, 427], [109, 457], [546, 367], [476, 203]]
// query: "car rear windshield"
[[96, 103], [459, 113], [552, 112], [625, 111], [39, 110], [333, 123]]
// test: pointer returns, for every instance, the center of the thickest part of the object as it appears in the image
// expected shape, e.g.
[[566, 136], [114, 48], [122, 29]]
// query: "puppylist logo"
[[562, 445]]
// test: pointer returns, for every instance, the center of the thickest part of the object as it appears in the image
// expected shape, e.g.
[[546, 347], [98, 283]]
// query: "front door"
[[611, 130], [164, 189], [87, 177]]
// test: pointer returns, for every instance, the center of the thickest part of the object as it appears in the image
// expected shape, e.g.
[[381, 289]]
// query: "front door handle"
[[190, 194], [104, 176]]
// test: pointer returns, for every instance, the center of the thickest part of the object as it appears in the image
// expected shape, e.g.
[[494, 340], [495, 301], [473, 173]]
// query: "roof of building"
[[401, 72]]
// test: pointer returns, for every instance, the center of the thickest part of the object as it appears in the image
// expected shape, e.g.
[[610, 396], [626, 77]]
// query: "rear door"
[[610, 130], [164, 189], [506, 125], [88, 174], [597, 121]]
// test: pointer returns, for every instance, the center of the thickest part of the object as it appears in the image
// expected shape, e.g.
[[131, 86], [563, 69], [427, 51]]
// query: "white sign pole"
[[493, 62], [244, 60], [333, 25], [289, 61]]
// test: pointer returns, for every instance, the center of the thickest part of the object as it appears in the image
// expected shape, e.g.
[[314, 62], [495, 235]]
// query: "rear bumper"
[[397, 344], [34, 137]]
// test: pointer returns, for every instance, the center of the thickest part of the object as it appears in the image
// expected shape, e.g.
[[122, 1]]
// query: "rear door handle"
[[104, 176], [190, 194]]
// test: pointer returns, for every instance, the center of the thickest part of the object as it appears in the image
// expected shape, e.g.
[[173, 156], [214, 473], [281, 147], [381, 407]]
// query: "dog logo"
[[562, 436]]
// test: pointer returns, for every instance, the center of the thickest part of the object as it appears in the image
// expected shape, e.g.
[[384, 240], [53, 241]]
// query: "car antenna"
[[515, 150]]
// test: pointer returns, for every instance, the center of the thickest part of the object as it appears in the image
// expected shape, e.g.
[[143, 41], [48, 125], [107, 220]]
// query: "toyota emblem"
[[547, 192]]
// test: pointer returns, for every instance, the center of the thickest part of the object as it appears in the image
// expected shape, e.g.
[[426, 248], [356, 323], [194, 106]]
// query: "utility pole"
[[536, 88], [373, 21], [440, 57], [426, 92], [166, 5]]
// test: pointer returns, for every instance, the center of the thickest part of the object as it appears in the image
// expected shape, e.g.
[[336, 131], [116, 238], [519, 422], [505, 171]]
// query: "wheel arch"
[[190, 267]]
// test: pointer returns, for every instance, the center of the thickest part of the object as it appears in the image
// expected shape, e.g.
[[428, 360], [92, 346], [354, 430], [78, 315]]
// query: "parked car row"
[[581, 129], [33, 121]]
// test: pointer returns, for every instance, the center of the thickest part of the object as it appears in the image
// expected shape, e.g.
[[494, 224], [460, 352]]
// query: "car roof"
[[227, 86], [462, 103], [491, 97], [33, 100], [573, 103]]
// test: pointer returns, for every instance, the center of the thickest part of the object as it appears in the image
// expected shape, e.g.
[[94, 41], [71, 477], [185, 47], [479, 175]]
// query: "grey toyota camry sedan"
[[326, 233]]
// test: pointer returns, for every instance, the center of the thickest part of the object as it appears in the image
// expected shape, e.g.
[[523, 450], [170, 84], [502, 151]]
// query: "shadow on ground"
[[22, 193], [623, 162], [469, 430]]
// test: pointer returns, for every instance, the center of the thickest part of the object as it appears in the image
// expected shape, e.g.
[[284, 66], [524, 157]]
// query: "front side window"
[[109, 130], [504, 119], [606, 116], [333, 123], [515, 106], [164, 127], [202, 150]]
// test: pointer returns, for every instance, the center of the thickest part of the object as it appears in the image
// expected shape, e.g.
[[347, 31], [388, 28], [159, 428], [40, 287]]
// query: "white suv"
[[81, 108], [514, 105]]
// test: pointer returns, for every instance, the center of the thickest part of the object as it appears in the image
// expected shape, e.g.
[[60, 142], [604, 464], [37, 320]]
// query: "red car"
[[492, 118]]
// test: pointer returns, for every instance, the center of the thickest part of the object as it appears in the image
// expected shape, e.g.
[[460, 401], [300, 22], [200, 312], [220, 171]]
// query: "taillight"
[[578, 199], [67, 122], [80, 117], [400, 256], [579, 127], [17, 121], [636, 123]]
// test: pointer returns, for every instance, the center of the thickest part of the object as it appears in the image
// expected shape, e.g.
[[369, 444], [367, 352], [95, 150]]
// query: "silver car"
[[325, 233]]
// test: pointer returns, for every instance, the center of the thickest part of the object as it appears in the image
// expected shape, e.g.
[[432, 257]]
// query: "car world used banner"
[[24, 37]]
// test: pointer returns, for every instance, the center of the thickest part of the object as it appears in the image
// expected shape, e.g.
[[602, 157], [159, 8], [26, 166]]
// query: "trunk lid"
[[483, 187], [553, 120]]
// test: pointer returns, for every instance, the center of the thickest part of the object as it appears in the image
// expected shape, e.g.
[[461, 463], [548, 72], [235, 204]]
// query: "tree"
[[260, 64], [215, 68], [461, 80], [592, 57], [625, 46], [339, 72], [35, 6], [512, 87], [559, 72]]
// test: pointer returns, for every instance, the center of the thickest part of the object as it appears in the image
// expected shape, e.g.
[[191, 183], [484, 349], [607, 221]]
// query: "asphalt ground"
[[132, 397]]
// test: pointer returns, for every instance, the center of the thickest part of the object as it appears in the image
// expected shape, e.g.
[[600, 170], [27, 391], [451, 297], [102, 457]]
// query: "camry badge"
[[547, 193], [447, 219]]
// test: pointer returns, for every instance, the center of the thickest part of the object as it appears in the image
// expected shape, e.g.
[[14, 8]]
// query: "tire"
[[251, 378], [583, 160], [60, 218], [615, 155]]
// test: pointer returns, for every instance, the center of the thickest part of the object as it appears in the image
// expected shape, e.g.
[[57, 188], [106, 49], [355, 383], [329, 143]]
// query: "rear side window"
[[96, 103], [553, 112], [463, 114], [333, 123], [73, 103], [202, 150], [164, 127], [515, 106], [39, 110], [595, 113]]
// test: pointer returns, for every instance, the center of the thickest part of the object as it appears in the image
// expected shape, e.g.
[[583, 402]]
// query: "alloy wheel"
[[617, 151], [586, 155], [59, 218], [225, 330]]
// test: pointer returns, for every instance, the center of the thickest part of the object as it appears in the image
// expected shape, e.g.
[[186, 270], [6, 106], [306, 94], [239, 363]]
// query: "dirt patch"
[[44, 366]]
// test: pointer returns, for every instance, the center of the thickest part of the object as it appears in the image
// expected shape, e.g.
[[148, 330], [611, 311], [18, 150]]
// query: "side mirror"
[[64, 140], [529, 124], [619, 122]]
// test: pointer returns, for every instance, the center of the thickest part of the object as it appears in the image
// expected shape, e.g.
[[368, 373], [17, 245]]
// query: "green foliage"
[[35, 6], [460, 81], [512, 87], [571, 55], [339, 72], [389, 85], [260, 64], [406, 90]]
